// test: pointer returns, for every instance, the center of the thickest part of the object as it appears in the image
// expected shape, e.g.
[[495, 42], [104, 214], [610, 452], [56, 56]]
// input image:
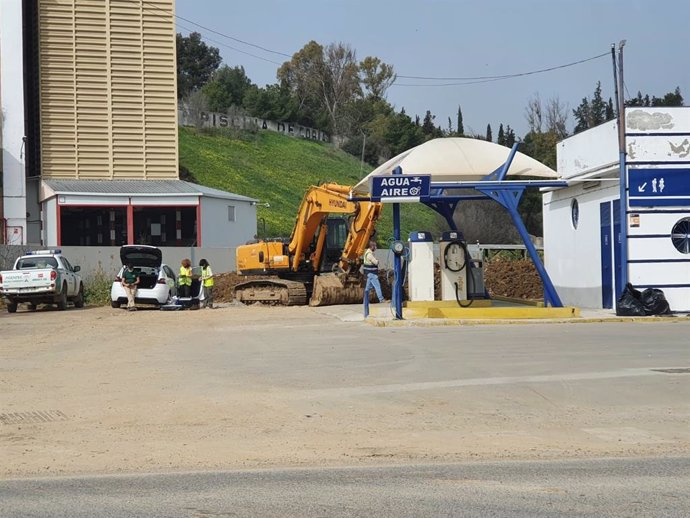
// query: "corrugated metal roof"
[[139, 188]]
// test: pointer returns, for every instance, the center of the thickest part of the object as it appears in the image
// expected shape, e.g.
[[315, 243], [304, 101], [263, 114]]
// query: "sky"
[[446, 38]]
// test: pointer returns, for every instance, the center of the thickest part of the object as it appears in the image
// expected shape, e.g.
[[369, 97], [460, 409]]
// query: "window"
[[575, 213], [231, 213], [680, 236]]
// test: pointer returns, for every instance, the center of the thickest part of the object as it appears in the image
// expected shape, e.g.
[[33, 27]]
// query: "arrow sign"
[[670, 187], [400, 188]]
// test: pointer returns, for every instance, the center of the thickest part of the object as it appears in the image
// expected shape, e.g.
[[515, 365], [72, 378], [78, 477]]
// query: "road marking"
[[474, 382]]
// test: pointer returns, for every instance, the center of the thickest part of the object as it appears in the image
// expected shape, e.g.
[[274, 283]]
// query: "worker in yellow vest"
[[207, 283], [184, 281]]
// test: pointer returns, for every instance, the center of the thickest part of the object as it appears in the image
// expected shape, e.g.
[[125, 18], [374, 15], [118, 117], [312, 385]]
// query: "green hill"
[[278, 169]]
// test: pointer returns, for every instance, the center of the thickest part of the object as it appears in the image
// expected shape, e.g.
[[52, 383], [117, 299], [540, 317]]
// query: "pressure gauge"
[[454, 257], [398, 247]]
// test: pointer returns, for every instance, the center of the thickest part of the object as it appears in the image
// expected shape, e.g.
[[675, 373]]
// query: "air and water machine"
[[453, 258], [420, 267]]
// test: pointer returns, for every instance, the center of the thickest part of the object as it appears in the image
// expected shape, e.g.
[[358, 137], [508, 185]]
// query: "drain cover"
[[685, 370], [43, 416]]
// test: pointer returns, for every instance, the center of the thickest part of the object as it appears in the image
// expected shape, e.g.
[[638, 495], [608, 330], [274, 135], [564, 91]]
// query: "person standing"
[[130, 281], [207, 283], [184, 281], [371, 271]]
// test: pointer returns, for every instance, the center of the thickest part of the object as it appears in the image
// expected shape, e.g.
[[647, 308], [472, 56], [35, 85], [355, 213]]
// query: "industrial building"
[[591, 246], [89, 131]]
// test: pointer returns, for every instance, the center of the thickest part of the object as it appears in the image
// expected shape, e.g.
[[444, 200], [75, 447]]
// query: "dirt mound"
[[515, 278]]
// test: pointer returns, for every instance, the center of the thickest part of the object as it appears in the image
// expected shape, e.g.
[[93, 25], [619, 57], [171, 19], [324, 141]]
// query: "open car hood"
[[141, 255]]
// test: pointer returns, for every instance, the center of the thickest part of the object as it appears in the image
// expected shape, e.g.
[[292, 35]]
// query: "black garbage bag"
[[654, 302], [630, 303]]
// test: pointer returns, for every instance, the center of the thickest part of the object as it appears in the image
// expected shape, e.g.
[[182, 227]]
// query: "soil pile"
[[515, 278]]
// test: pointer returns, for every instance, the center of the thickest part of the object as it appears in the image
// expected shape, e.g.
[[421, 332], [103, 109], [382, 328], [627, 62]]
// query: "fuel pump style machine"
[[420, 269], [455, 266]]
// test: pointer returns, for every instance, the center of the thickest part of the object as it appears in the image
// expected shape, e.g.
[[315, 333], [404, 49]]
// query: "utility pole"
[[623, 237]]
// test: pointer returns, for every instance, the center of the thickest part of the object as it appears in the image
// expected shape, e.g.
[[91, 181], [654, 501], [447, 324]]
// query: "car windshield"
[[36, 263]]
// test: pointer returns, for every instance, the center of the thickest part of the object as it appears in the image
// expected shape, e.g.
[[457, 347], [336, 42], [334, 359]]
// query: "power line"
[[231, 47], [214, 31], [482, 79]]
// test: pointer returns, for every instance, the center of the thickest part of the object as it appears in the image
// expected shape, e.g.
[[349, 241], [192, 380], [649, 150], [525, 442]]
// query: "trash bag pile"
[[633, 303]]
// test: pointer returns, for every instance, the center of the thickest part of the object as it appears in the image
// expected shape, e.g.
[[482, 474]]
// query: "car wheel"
[[114, 304], [62, 300], [79, 299], [11, 307], [32, 306]]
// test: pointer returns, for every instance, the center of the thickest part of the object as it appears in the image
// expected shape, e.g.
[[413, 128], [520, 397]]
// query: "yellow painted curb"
[[503, 313], [526, 302], [479, 303]]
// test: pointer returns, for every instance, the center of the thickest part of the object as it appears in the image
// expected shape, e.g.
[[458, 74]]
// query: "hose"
[[470, 277]]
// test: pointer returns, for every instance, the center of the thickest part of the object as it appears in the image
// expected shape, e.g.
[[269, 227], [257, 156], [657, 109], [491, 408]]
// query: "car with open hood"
[[156, 280]]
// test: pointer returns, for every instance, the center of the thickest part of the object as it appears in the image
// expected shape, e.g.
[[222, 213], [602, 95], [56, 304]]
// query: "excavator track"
[[277, 292]]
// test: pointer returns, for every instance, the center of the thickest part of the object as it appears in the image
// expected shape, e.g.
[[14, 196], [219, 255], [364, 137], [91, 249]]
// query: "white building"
[[582, 223]]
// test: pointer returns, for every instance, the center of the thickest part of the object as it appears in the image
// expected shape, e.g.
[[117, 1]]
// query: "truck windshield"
[[36, 263]]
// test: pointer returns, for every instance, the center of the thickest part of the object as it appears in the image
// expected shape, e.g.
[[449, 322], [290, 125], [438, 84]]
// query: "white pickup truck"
[[42, 277]]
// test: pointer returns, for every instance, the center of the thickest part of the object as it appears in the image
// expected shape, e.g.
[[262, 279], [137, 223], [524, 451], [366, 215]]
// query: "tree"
[[227, 88], [592, 112], [533, 114], [461, 128], [556, 117], [489, 136], [610, 112], [377, 76], [323, 79], [196, 62], [510, 136], [501, 139]]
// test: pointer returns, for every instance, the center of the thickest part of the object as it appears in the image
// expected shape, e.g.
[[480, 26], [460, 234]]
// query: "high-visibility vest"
[[185, 278], [207, 276]]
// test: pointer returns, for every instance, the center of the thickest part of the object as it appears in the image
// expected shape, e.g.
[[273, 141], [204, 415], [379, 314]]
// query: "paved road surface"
[[601, 488]]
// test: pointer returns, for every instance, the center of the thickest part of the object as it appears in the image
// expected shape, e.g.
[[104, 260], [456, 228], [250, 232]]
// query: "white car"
[[156, 280]]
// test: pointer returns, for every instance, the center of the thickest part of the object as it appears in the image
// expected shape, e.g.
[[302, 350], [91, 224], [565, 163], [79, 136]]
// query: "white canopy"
[[457, 159]]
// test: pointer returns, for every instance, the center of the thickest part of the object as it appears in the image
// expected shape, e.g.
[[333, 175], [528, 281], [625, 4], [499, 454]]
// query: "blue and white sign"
[[399, 188], [659, 187]]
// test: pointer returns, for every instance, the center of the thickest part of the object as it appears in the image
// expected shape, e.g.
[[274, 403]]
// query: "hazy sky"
[[444, 38]]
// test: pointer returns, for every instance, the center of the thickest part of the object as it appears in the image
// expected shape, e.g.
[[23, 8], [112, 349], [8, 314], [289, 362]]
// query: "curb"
[[375, 322]]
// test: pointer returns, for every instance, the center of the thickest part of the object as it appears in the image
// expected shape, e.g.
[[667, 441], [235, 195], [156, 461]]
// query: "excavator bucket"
[[331, 289]]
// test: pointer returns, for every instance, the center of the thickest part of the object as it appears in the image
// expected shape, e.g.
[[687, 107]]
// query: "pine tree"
[[428, 126], [501, 139], [510, 136], [610, 113], [582, 115], [461, 128], [489, 136], [597, 108]]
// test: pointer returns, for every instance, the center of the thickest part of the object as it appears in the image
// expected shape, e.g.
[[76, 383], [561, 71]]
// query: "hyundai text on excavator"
[[320, 262]]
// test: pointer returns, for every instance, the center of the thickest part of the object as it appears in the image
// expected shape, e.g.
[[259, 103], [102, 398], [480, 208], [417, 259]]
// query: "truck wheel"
[[79, 299], [62, 300], [114, 304], [11, 307]]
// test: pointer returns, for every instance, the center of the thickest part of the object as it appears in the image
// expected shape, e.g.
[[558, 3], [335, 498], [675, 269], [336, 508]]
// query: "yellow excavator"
[[320, 262]]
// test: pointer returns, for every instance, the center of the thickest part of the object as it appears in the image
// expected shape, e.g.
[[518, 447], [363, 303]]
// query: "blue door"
[[606, 273], [617, 247]]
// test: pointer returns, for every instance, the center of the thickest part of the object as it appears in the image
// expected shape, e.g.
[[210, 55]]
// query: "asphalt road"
[[601, 488]]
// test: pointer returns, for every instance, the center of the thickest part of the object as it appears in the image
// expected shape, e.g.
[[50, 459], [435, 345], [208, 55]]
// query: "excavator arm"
[[317, 204]]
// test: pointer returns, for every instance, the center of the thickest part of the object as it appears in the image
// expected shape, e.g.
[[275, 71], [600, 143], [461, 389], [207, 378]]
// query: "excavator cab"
[[336, 236]]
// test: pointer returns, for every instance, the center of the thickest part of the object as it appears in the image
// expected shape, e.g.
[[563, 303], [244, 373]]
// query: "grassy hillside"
[[278, 169]]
